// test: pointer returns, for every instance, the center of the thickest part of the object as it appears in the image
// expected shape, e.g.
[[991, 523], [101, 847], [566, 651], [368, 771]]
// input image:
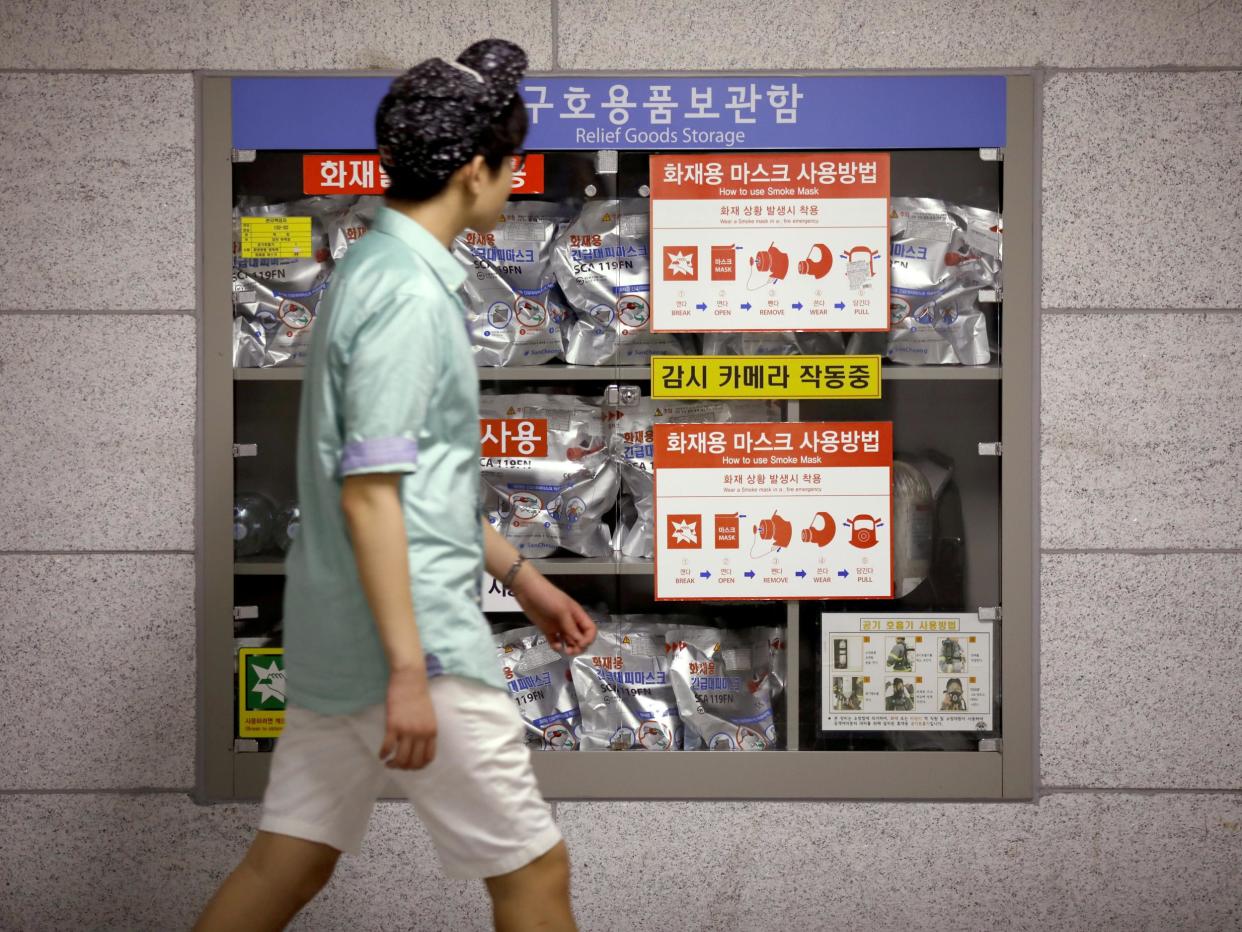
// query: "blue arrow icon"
[[741, 516], [840, 305], [746, 306], [701, 307], [843, 573], [749, 574], [705, 574], [800, 573], [797, 307]]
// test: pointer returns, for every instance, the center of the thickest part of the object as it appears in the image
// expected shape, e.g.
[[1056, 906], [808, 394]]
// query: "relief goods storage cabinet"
[[604, 144]]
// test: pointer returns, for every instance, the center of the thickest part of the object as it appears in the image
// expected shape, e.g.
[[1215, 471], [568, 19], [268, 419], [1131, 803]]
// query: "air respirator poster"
[[922, 672], [770, 242], [774, 511]]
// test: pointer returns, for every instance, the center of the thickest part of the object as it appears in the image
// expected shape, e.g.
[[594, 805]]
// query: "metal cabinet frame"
[[1006, 773]]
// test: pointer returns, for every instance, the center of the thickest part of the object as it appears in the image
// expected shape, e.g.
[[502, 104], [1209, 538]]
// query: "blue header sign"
[[713, 113]]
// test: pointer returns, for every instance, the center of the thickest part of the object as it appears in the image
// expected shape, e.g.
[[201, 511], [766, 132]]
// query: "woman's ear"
[[473, 174]]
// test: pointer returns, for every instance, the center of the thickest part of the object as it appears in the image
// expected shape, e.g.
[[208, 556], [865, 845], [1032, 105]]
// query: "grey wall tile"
[[707, 867], [97, 416], [311, 35], [97, 191], [1137, 670], [1077, 862], [1140, 189], [1141, 428], [918, 34], [98, 682], [135, 863]]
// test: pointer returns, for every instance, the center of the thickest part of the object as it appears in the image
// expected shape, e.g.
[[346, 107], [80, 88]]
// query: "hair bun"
[[501, 64]]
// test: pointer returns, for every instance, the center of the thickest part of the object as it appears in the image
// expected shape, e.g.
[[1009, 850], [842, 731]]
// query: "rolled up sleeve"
[[392, 371]]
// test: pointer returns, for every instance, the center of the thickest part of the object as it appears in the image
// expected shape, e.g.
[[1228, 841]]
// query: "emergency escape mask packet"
[[515, 312], [722, 681], [350, 223], [943, 255], [275, 299], [624, 693], [631, 444], [541, 686], [601, 262], [544, 499]]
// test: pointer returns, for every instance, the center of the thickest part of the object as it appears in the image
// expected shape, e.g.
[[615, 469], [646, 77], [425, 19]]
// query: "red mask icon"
[[821, 536], [776, 529], [813, 266], [863, 531], [772, 261], [864, 251]]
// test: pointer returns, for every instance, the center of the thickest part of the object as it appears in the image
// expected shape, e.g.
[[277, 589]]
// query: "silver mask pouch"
[[541, 687], [349, 224], [722, 682], [942, 256], [624, 693], [631, 443], [558, 500], [601, 262], [514, 309], [913, 524], [277, 299]]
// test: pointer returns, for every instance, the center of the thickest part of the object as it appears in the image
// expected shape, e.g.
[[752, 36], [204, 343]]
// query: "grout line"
[[1089, 311], [102, 791], [1141, 69], [555, 806], [636, 72], [94, 312], [106, 72], [556, 35], [1141, 791], [1139, 551], [1037, 271], [95, 553]]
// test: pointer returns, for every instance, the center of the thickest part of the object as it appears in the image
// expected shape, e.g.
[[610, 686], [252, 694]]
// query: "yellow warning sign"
[[765, 377], [276, 238]]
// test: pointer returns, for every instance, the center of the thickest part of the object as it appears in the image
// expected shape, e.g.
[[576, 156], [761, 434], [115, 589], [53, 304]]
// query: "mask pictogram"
[[820, 535], [863, 531], [776, 530], [816, 267]]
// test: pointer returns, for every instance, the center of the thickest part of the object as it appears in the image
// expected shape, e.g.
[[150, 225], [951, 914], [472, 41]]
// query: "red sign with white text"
[[363, 174], [774, 511], [525, 438]]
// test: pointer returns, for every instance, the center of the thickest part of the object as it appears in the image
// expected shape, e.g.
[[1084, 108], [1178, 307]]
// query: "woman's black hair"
[[439, 115]]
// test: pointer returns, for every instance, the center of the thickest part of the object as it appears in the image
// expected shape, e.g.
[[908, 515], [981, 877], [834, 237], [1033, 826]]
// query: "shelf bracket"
[[245, 746], [245, 612], [244, 155], [606, 162], [992, 155], [990, 613], [622, 396], [990, 744], [245, 449], [990, 449]]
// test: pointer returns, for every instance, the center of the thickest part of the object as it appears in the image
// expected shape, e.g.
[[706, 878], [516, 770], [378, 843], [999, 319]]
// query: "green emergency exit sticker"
[[276, 238], [261, 688]]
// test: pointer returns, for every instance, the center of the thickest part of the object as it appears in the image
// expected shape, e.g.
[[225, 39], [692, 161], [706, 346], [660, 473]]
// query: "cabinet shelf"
[[272, 565], [565, 373]]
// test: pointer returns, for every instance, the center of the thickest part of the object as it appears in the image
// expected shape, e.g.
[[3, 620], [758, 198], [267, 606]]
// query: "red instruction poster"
[[774, 511], [770, 242]]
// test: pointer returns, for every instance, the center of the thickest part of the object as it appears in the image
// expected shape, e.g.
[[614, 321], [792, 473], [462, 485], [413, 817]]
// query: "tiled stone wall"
[[1140, 824]]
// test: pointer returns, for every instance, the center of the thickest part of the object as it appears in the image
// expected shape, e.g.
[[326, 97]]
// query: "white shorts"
[[478, 798]]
